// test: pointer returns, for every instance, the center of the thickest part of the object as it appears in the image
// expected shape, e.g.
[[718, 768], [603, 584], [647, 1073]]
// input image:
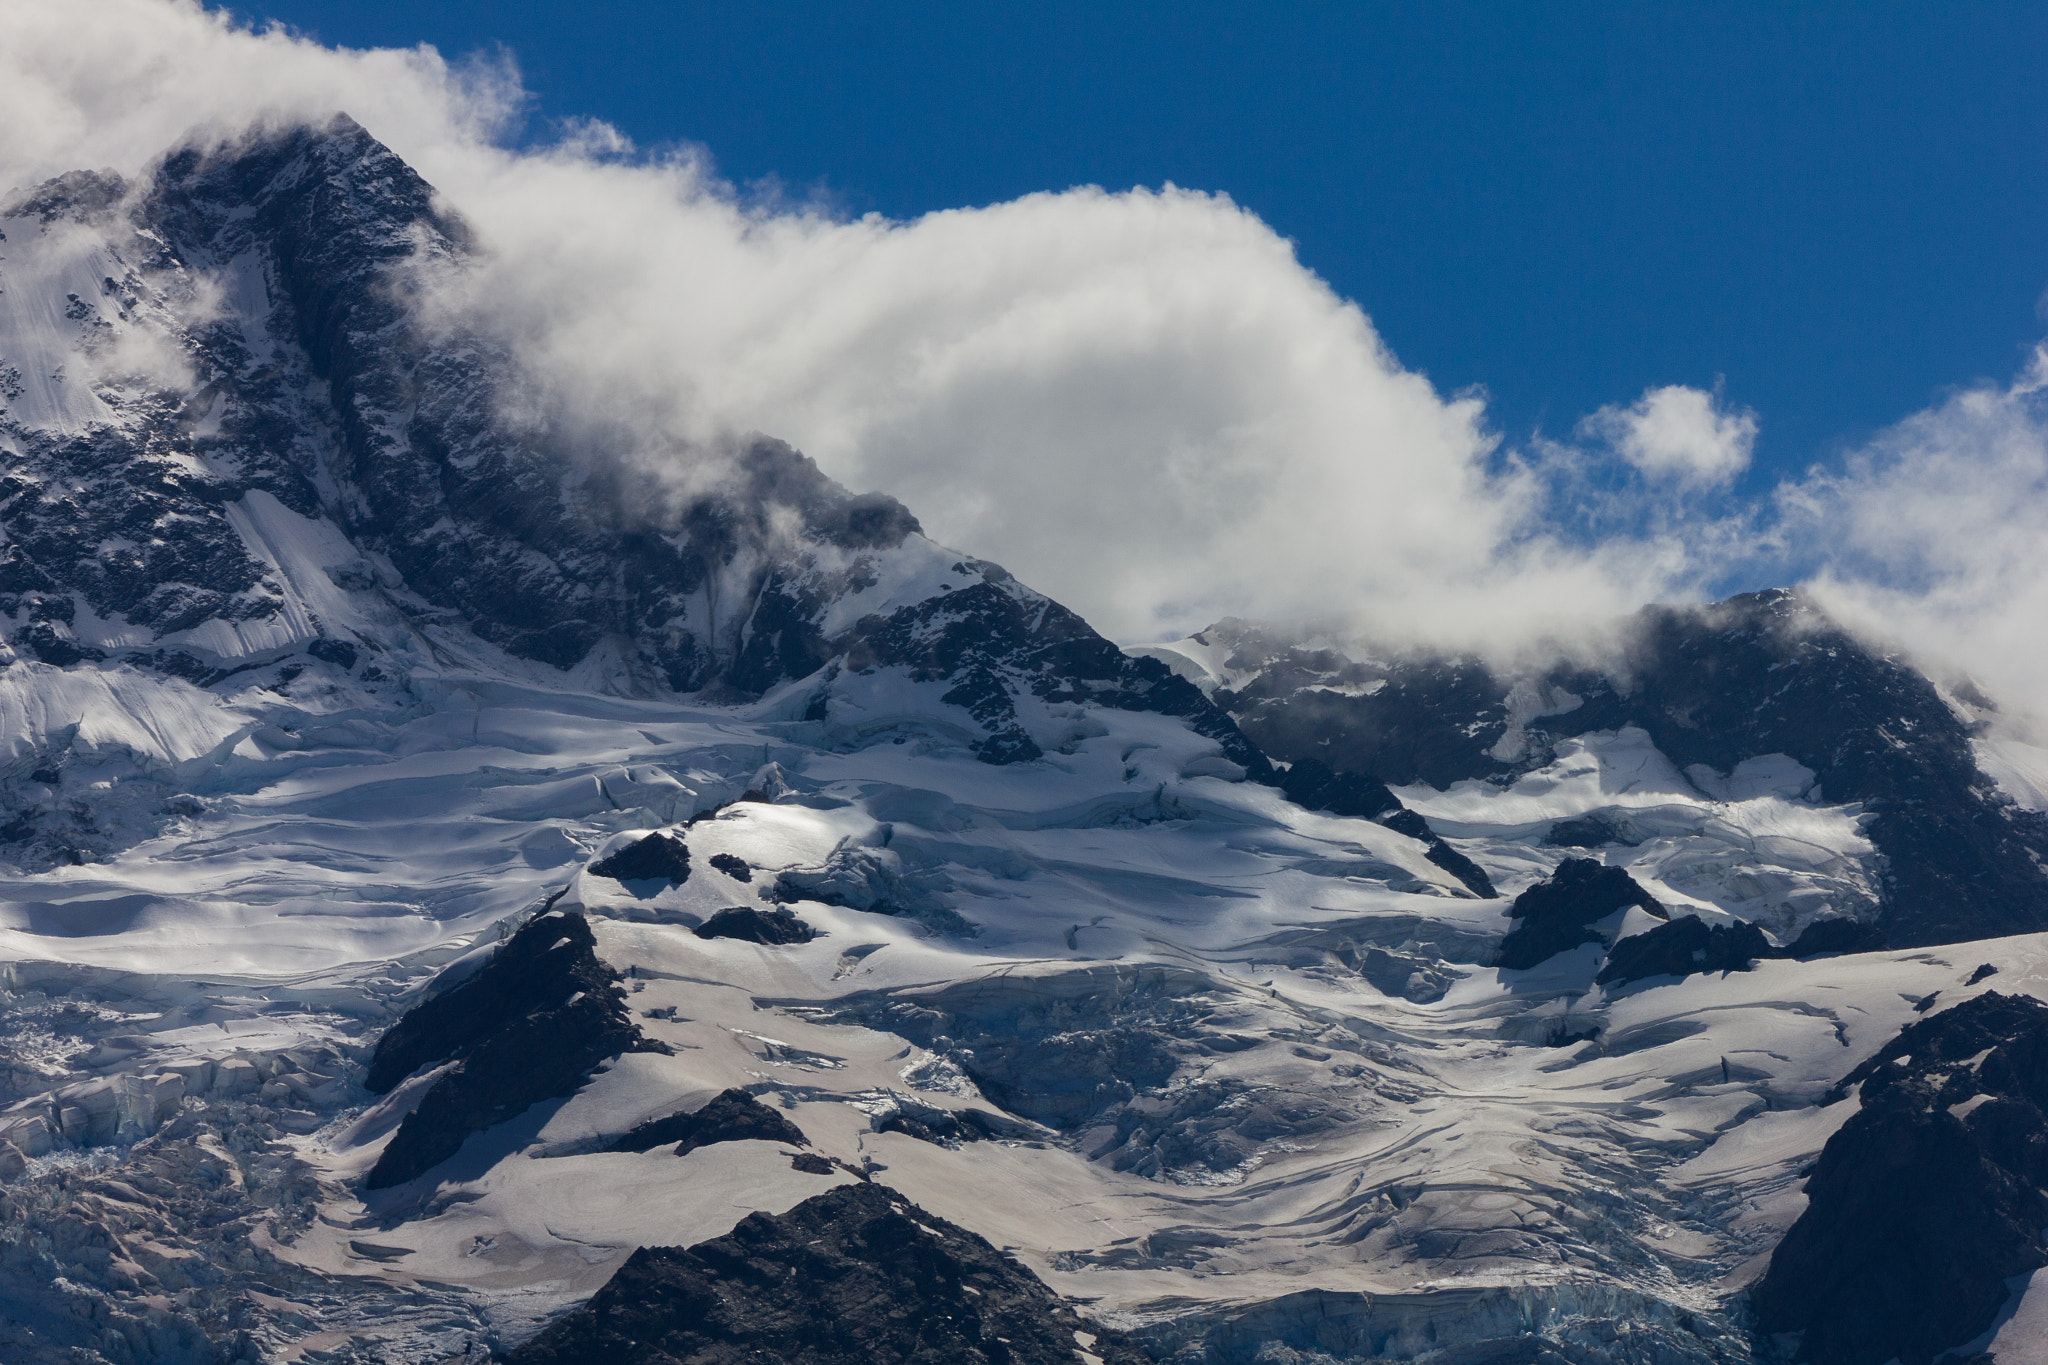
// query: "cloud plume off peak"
[[1142, 402]]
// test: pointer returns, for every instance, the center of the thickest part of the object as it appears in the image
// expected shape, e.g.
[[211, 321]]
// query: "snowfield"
[[322, 679], [1302, 1128]]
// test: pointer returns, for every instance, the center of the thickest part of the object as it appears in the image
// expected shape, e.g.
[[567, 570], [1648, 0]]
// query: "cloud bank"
[[1141, 402]]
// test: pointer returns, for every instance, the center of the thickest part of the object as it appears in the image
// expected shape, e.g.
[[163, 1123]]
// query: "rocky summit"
[[475, 884], [855, 1275]]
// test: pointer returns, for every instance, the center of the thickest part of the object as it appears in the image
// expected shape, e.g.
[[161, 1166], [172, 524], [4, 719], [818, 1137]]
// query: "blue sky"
[[1835, 211]]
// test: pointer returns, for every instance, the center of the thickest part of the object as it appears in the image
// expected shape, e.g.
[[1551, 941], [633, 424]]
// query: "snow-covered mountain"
[[1705, 705], [459, 864]]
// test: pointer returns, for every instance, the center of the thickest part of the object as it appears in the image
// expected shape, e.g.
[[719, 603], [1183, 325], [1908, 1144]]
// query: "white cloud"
[[1936, 535], [1676, 432], [1140, 402]]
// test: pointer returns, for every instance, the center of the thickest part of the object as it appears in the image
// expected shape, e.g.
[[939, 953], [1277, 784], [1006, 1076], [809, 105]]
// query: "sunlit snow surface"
[[1354, 1104], [344, 842], [1758, 843]]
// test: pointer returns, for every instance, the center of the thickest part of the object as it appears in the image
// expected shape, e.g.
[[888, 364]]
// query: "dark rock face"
[[121, 514], [777, 926], [946, 1127], [477, 513], [1763, 673], [733, 867], [1463, 868], [996, 638], [856, 1275], [1311, 785], [1681, 947], [1426, 720], [731, 1116], [530, 1025], [549, 959], [1556, 915], [658, 857], [1836, 934], [1927, 1199]]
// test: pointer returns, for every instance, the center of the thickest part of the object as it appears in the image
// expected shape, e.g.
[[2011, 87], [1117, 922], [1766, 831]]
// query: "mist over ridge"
[[1141, 402]]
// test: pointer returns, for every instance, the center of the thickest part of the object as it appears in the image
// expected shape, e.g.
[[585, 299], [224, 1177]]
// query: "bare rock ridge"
[[656, 857], [1763, 673], [1558, 914], [1565, 911], [1682, 946], [530, 1025], [1837, 934], [854, 1275], [1929, 1199], [775, 926], [729, 1116]]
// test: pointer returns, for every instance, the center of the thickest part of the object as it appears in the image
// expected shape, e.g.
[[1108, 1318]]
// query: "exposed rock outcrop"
[[658, 857], [1928, 1199], [530, 1025], [1837, 934], [1682, 946], [749, 925], [855, 1275], [732, 866], [1559, 913], [730, 1116]]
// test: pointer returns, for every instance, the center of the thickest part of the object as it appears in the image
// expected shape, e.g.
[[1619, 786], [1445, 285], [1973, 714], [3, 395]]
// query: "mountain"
[[414, 805], [232, 438], [1762, 676]]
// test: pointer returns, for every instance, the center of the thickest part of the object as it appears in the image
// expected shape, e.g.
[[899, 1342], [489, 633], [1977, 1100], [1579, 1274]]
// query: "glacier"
[[322, 676]]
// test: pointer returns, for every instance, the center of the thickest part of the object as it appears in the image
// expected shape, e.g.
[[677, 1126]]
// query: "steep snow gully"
[[448, 915]]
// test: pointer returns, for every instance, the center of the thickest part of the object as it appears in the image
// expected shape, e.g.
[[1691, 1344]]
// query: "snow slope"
[[1305, 1130], [319, 678]]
